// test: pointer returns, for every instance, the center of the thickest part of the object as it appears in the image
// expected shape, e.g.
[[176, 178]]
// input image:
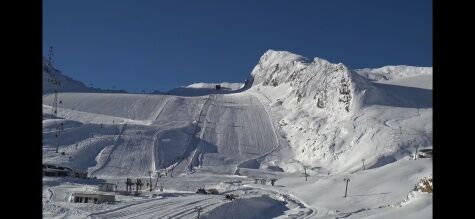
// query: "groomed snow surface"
[[298, 113]]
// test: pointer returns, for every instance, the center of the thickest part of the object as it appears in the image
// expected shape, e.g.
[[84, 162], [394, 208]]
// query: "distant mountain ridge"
[[68, 84]]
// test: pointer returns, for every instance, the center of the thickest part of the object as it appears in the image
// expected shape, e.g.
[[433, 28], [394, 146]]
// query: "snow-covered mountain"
[[318, 84], [325, 114], [292, 113], [333, 117]]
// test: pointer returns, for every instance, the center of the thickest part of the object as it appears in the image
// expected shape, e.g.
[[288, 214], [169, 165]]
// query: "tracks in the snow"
[[111, 150], [179, 207]]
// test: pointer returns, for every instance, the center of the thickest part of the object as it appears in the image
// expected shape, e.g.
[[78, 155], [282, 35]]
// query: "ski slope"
[[235, 128], [214, 133]]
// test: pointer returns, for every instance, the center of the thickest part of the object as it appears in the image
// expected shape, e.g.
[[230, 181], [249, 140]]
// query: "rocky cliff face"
[[330, 87]]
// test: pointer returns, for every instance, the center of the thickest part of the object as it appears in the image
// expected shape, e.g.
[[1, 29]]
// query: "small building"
[[60, 171], [95, 198], [107, 187], [53, 170], [425, 153], [79, 174]]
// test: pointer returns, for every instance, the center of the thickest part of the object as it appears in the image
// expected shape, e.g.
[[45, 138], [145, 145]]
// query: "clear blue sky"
[[146, 44]]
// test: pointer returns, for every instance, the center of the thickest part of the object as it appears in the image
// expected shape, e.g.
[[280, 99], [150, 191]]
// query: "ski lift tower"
[[49, 63], [54, 81], [57, 84], [50, 57]]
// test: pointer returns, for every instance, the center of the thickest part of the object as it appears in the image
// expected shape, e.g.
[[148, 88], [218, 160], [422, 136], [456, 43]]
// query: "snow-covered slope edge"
[[393, 72], [201, 89], [333, 117]]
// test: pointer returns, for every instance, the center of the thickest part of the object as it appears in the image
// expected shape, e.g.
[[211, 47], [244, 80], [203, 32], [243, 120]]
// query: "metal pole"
[[415, 157], [58, 132], [57, 139], [150, 180], [156, 182], [198, 209], [305, 169], [346, 189]]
